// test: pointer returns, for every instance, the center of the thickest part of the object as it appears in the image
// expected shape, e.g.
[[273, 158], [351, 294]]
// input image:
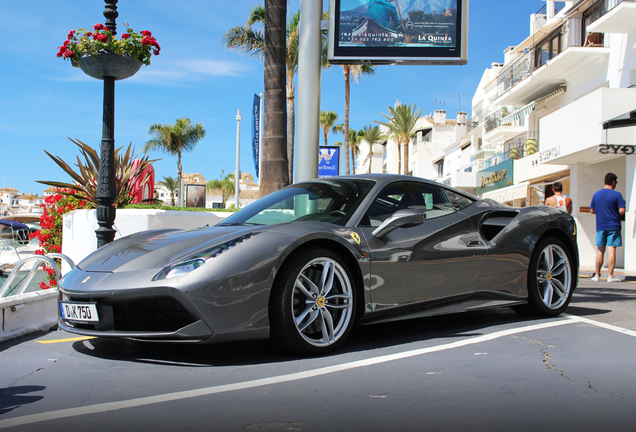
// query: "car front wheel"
[[312, 305]]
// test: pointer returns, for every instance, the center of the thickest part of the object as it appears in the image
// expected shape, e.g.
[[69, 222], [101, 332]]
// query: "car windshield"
[[332, 201]]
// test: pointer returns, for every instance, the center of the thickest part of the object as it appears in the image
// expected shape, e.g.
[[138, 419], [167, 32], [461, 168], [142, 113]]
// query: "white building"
[[574, 72]]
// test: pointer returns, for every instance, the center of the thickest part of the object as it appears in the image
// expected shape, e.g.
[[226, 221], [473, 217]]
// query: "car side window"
[[458, 201], [430, 199]]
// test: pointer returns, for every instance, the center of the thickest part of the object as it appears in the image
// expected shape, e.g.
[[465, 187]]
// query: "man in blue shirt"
[[384, 13], [608, 205]]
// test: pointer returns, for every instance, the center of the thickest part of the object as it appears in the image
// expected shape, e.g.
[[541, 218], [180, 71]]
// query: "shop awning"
[[522, 112]]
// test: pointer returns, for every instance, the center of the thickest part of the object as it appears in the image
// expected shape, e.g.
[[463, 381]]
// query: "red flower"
[[69, 54], [71, 34], [125, 36], [145, 33], [156, 52], [146, 40], [66, 43], [89, 34], [98, 26]]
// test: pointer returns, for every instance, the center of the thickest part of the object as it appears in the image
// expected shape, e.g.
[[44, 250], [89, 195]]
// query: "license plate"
[[80, 312]]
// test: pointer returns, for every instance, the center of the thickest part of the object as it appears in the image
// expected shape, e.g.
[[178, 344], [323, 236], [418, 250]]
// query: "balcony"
[[618, 16], [495, 131], [522, 82]]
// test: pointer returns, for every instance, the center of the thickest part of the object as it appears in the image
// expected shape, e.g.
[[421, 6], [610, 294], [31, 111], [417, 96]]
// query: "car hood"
[[157, 248]]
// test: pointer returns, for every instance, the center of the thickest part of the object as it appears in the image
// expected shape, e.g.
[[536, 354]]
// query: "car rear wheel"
[[312, 305], [550, 279]]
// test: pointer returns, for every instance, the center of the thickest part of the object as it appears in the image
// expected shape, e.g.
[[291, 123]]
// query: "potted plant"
[[99, 54]]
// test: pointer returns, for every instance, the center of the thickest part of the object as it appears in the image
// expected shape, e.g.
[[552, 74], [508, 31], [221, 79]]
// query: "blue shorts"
[[609, 238]]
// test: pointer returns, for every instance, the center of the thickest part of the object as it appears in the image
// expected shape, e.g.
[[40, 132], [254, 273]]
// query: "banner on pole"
[[329, 161], [256, 130]]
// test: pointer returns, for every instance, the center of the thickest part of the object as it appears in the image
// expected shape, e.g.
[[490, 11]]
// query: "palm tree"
[[355, 136], [248, 39], [327, 120], [175, 139], [372, 135], [225, 184], [172, 185], [357, 71], [401, 124]]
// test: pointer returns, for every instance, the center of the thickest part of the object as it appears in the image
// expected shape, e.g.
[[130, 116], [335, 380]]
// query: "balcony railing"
[[492, 121], [517, 148], [515, 73]]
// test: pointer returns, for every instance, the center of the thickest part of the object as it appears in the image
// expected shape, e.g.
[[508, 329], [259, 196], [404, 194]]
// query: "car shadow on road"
[[14, 397], [363, 338]]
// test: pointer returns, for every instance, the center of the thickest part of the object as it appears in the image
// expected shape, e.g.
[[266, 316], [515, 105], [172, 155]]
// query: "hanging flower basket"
[[108, 64], [99, 54]]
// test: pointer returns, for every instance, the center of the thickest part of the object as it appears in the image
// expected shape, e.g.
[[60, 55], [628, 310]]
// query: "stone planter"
[[108, 64]]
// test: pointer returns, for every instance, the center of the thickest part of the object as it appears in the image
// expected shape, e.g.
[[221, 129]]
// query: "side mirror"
[[400, 219]]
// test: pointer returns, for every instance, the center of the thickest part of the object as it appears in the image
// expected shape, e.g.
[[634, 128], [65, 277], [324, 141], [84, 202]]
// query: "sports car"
[[305, 264]]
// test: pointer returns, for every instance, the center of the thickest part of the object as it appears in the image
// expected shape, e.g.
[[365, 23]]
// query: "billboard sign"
[[398, 31], [195, 195], [329, 161]]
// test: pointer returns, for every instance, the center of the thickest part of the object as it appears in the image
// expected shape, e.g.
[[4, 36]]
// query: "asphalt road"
[[479, 371]]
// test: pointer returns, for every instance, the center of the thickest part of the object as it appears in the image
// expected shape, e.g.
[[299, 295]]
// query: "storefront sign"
[[495, 177], [585, 210], [547, 155], [616, 149]]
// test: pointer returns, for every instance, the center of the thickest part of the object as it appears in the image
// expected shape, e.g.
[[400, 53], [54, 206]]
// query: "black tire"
[[310, 317], [550, 279]]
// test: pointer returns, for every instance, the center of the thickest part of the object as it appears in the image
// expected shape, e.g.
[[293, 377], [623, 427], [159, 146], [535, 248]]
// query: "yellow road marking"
[[66, 340]]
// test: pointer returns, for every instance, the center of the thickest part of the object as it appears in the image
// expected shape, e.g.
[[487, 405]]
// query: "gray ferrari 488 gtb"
[[307, 263]]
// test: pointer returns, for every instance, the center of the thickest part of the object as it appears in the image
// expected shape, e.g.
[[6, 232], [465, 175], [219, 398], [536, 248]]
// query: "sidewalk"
[[619, 273]]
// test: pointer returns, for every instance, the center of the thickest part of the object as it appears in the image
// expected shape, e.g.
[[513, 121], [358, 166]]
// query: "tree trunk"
[[291, 126], [353, 160], [275, 169], [405, 157], [325, 132], [179, 181], [347, 74], [399, 152]]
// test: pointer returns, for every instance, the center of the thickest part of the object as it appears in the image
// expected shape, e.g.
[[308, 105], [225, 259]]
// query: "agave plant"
[[84, 185]]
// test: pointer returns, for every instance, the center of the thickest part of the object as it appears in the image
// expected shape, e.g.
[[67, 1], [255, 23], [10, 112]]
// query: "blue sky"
[[43, 100]]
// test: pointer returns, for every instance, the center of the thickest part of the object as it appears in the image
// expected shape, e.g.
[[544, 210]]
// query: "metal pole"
[[309, 58], [260, 141], [237, 174], [106, 194]]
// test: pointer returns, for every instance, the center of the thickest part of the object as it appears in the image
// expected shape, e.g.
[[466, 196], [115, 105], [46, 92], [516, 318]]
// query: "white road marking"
[[149, 400], [602, 324]]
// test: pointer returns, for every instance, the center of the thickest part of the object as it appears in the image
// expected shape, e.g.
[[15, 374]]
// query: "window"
[[439, 167], [408, 195], [459, 201], [548, 49], [217, 205]]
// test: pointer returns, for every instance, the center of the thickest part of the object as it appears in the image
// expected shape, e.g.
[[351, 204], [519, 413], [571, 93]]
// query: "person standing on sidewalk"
[[558, 200], [608, 205]]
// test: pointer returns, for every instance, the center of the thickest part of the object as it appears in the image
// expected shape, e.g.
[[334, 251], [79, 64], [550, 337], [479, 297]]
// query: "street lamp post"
[[106, 193], [237, 175]]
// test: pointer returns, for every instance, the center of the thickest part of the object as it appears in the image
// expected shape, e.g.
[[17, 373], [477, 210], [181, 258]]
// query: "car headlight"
[[196, 260]]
